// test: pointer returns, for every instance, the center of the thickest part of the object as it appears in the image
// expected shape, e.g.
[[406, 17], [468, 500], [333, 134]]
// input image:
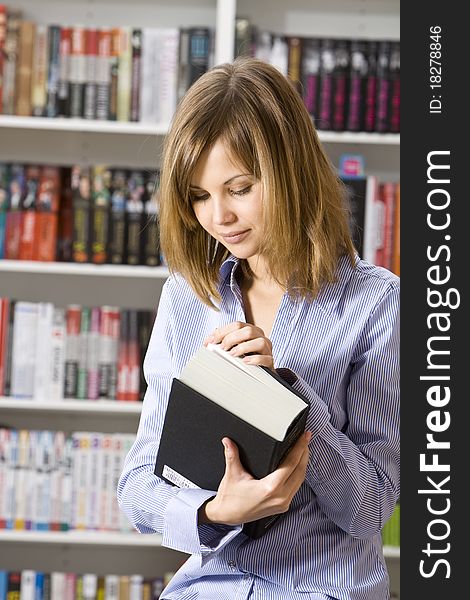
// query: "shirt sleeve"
[[151, 504], [355, 472]]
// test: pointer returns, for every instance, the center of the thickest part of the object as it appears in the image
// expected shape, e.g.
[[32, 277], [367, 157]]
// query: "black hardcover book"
[[310, 74], [340, 91], [134, 215], [383, 87], [325, 102], [81, 199], [371, 87], [357, 85], [394, 74], [205, 405], [117, 239]]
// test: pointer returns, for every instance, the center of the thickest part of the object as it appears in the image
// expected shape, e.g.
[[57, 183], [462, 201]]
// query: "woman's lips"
[[234, 237]]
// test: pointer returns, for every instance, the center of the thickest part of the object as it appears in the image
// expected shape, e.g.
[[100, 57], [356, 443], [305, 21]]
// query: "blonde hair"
[[259, 116]]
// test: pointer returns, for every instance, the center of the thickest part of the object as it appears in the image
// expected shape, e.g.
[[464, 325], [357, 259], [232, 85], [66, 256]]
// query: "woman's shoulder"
[[375, 275]]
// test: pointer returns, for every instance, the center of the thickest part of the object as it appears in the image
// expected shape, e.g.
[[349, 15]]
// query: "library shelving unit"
[[75, 141]]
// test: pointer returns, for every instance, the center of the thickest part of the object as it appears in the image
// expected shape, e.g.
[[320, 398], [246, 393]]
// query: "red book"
[[133, 358], [28, 230], [14, 216], [47, 207], [123, 357]]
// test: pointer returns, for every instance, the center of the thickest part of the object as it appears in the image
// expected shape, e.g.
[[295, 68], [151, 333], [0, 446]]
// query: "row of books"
[[51, 481], [30, 584], [375, 220], [346, 84], [49, 354], [98, 214], [391, 529], [113, 73]]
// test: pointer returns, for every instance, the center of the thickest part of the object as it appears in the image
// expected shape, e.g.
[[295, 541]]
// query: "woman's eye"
[[198, 198], [241, 192]]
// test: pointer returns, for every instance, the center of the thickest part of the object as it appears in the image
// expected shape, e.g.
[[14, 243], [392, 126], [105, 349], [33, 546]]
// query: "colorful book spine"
[[63, 90], [78, 71], [90, 87], [40, 72], [81, 199], [82, 373], [72, 350], [54, 70], [103, 74], [136, 55], [93, 341]]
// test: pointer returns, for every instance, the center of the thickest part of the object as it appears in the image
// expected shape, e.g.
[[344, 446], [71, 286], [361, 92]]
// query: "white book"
[[4, 474], [56, 479], [44, 458], [370, 242], [116, 468], [43, 351], [125, 526], [58, 585], [57, 363], [67, 484], [23, 352], [247, 391], [93, 481], [168, 71], [111, 587], [90, 586], [22, 477], [28, 584], [104, 511], [149, 62], [9, 489], [136, 587], [81, 457]]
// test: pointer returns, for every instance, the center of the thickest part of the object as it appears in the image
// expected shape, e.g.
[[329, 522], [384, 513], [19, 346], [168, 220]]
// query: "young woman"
[[255, 230]]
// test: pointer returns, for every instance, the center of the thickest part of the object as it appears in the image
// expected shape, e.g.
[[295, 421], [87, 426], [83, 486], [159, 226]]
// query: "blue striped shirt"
[[344, 349]]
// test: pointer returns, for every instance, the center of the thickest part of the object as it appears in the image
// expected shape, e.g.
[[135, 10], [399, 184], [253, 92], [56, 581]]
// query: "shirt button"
[[232, 565]]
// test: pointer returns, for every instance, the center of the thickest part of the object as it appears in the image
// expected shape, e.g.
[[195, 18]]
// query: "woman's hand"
[[241, 498], [244, 339]]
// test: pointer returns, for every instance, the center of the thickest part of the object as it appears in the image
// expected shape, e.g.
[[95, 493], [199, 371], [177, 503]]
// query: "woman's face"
[[227, 202]]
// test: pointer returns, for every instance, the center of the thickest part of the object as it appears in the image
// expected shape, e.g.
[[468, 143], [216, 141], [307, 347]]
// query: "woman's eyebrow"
[[196, 187]]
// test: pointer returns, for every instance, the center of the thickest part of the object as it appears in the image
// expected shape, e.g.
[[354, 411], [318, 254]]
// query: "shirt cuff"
[[181, 530]]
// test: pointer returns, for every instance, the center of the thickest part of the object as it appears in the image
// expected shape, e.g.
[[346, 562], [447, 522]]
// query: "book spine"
[[24, 349], [14, 585], [54, 70], [65, 218], [63, 90], [24, 68], [56, 480], [4, 330], [124, 74], [117, 243], [21, 474], [81, 454], [394, 73], [294, 60], [199, 52], [114, 72], [383, 87], [151, 229], [310, 69], [43, 351], [93, 354], [103, 74], [90, 87], [77, 71], [10, 60], [167, 71], [105, 359], [94, 477], [57, 371], [27, 585], [67, 485], [82, 373], [136, 51], [123, 357], [3, 34], [28, 241], [39, 74], [183, 62], [327, 64], [9, 348], [44, 460], [4, 475], [371, 87], [72, 350], [340, 86], [133, 356], [105, 482], [81, 198], [47, 207], [357, 73], [134, 217], [101, 214]]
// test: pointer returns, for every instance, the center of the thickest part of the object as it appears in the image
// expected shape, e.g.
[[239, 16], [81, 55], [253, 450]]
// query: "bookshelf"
[[69, 141]]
